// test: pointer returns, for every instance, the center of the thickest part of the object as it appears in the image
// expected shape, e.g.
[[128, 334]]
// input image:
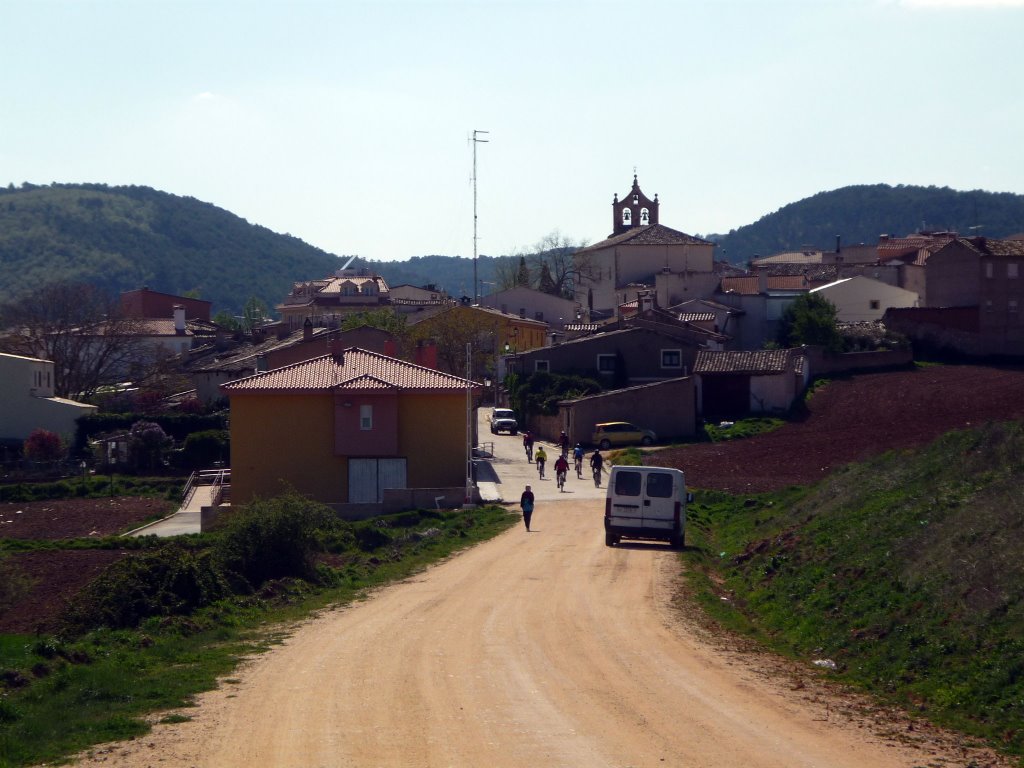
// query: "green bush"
[[169, 581], [202, 449], [273, 539]]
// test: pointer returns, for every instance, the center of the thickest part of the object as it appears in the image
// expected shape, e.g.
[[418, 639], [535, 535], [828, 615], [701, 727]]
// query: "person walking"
[[526, 503]]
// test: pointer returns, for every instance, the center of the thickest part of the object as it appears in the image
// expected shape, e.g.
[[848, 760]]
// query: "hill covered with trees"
[[859, 214], [122, 238]]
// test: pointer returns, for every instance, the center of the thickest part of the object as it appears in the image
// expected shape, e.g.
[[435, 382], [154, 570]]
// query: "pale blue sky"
[[346, 123]]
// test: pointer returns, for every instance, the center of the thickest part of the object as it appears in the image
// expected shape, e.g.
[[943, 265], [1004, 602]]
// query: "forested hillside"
[[121, 238], [859, 214]]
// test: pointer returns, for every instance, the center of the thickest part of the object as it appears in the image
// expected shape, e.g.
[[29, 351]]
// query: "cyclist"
[[596, 464], [541, 457], [528, 445], [561, 470], [563, 442], [577, 457]]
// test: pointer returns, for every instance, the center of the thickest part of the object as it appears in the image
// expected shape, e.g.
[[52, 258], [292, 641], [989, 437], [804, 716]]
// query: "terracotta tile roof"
[[758, 362], [360, 369], [697, 317], [1007, 247], [582, 326], [792, 257], [750, 286], [655, 234], [745, 286]]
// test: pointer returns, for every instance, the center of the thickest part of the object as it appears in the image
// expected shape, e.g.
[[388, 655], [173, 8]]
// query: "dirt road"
[[533, 649]]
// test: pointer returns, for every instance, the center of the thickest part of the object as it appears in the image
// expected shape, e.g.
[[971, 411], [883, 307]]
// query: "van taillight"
[[607, 507], [675, 512]]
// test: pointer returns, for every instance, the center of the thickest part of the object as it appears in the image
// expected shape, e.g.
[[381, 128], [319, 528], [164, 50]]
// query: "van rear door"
[[658, 504], [626, 498]]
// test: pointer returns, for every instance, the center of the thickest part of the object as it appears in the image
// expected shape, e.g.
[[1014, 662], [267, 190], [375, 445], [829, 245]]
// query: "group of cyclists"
[[562, 462]]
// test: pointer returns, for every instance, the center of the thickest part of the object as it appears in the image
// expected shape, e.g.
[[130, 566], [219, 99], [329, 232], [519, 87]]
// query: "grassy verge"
[[740, 429], [166, 626], [904, 573]]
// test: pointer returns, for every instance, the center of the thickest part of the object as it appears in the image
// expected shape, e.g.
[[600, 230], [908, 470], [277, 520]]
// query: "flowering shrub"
[[43, 445]]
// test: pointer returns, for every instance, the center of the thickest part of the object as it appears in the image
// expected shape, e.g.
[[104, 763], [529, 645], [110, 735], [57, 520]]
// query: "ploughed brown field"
[[55, 576], [846, 421]]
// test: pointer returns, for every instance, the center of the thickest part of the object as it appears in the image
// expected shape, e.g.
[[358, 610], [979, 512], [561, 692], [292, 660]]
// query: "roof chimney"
[[838, 242], [307, 330], [179, 319], [337, 351], [426, 355]]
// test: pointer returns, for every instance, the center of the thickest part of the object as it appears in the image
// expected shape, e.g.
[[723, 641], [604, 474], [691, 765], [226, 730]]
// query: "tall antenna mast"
[[476, 285]]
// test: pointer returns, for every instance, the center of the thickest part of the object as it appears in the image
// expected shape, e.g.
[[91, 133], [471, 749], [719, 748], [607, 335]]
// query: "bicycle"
[[540, 469], [597, 476], [560, 478], [529, 454], [579, 467]]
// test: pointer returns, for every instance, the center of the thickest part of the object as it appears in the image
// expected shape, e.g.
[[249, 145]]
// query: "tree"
[[90, 341], [547, 283], [254, 313], [523, 273], [452, 329], [810, 319], [551, 263], [227, 321], [147, 442], [386, 319]]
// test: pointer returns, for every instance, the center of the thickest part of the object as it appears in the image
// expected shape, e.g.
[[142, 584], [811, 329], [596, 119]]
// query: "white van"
[[646, 503]]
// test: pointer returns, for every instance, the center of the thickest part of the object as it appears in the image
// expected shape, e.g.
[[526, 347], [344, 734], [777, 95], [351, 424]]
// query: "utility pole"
[[476, 295]]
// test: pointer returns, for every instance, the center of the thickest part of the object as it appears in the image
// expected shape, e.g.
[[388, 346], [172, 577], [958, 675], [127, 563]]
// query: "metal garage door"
[[367, 478]]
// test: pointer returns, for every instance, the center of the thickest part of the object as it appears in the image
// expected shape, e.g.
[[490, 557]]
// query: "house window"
[[542, 366], [627, 217], [1011, 269], [606, 363], [988, 269], [875, 304], [538, 315], [365, 417], [671, 358], [645, 217]]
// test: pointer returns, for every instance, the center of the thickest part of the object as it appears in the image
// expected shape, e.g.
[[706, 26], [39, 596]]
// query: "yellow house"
[[343, 427]]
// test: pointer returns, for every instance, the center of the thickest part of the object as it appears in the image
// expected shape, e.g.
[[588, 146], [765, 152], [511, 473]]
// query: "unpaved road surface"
[[533, 649]]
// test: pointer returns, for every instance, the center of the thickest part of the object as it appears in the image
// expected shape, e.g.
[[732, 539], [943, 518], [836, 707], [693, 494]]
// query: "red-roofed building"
[[344, 427], [735, 384]]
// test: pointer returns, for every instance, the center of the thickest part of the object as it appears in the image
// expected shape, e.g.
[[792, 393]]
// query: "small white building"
[[860, 299], [27, 401]]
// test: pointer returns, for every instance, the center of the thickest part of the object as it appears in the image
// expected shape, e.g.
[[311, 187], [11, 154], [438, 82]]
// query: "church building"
[[639, 255]]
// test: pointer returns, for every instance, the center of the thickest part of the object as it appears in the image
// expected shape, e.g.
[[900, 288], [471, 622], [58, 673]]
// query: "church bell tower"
[[634, 210]]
